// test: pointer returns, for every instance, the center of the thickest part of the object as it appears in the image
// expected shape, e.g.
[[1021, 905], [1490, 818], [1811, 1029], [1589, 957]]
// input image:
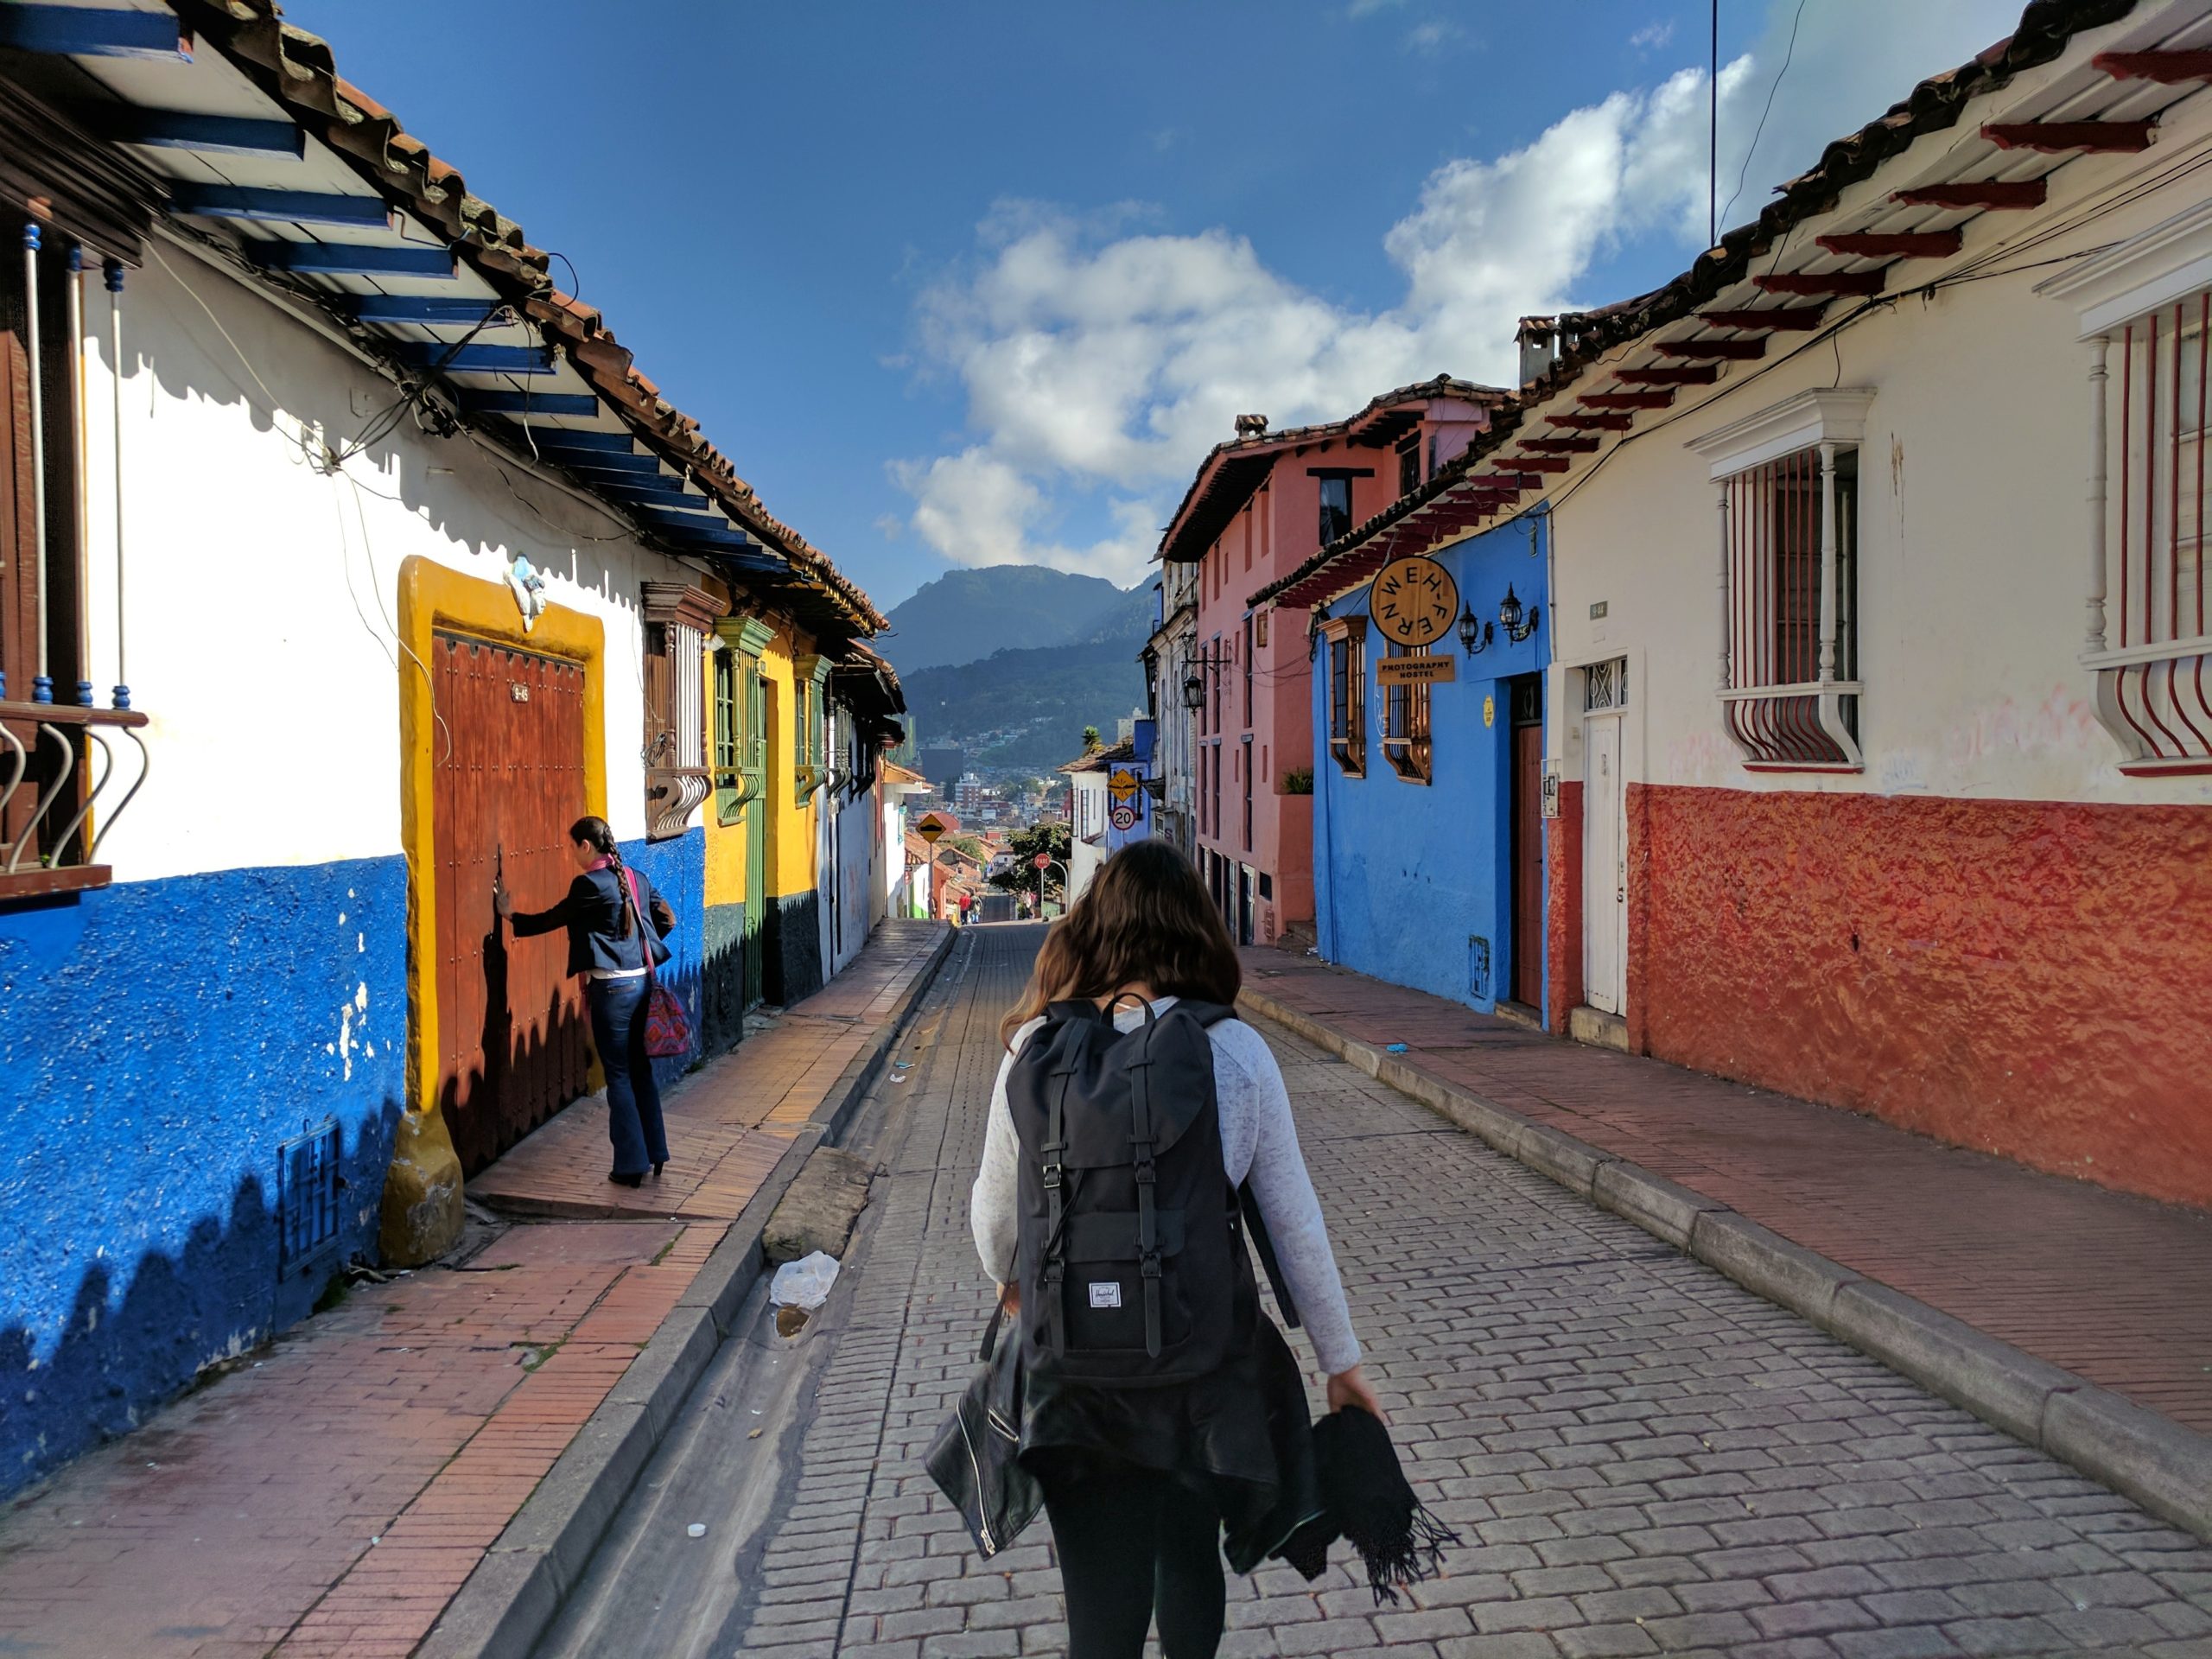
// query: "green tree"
[[1023, 875], [1090, 738]]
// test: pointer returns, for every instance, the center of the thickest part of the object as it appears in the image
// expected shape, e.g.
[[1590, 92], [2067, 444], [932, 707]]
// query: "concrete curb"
[[511, 1599], [2162, 1465]]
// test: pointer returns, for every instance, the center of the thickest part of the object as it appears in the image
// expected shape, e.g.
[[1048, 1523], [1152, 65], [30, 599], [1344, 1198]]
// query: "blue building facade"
[[1438, 884]]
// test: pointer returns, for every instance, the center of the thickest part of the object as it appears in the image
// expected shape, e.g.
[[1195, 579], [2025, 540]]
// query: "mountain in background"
[[1025, 710], [965, 615]]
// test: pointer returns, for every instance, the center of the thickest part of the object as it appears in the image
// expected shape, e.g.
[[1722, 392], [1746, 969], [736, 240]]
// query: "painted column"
[[1827, 563], [1720, 507], [42, 683], [2099, 345], [113, 271]]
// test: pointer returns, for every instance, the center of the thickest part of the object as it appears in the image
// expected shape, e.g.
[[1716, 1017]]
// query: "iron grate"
[[308, 1184], [1478, 966]]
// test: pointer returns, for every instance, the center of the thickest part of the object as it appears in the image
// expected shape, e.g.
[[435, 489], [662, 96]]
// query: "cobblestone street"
[[1641, 1457]]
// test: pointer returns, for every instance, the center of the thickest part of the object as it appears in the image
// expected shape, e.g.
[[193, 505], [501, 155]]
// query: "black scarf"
[[1369, 1503]]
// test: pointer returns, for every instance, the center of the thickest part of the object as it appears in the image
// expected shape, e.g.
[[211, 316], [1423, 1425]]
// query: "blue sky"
[[980, 281]]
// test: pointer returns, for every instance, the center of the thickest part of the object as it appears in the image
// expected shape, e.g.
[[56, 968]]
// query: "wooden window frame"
[[1344, 639], [1407, 738]]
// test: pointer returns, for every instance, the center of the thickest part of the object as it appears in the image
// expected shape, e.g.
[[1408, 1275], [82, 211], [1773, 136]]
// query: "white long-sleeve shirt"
[[1259, 1142]]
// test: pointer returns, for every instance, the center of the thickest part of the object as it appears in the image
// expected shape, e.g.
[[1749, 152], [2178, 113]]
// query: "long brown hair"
[[596, 834], [1145, 919]]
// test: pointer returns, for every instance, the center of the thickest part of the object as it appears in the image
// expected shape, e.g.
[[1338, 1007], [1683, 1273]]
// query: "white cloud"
[[1101, 360], [1429, 39], [1653, 35]]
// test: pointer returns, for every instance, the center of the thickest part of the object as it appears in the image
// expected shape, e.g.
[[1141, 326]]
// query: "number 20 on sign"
[[1413, 601]]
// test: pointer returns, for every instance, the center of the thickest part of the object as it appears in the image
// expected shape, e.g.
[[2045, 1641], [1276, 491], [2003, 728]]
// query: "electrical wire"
[[1760, 130]]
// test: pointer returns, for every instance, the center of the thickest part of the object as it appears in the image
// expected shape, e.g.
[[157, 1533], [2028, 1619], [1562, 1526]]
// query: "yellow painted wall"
[[791, 828]]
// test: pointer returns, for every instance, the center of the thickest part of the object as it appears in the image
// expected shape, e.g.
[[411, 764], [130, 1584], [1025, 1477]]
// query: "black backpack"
[[1132, 1259]]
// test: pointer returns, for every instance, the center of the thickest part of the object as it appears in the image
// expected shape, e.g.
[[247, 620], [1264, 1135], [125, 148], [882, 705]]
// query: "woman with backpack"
[[1158, 1408], [603, 916]]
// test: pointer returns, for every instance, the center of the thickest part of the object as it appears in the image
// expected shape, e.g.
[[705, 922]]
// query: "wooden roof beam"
[[2054, 138], [1548, 463], [1977, 192], [1828, 284], [1733, 351], [2167, 68], [1577, 446], [1792, 318], [1688, 374], [1659, 399], [1593, 422], [1903, 244]]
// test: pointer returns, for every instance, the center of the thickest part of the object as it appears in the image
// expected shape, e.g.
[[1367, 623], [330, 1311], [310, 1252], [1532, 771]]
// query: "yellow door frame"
[[421, 1202]]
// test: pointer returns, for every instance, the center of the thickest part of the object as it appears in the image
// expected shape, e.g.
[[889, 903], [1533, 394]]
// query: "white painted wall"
[[1973, 532], [262, 590]]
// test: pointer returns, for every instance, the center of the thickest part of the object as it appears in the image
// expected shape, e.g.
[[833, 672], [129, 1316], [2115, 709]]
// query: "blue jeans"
[[617, 1032]]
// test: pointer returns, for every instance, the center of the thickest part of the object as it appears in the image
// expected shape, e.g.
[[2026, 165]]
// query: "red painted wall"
[[2030, 978], [1563, 909]]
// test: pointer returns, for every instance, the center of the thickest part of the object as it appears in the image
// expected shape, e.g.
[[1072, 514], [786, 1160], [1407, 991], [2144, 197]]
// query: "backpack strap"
[[1053, 1268], [1256, 1225], [1141, 1137]]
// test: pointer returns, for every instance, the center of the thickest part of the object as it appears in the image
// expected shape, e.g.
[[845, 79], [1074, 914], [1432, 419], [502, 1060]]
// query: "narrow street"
[[1641, 1457]]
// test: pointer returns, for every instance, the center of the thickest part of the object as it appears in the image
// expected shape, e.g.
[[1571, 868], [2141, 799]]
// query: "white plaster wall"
[[262, 590], [1973, 535]]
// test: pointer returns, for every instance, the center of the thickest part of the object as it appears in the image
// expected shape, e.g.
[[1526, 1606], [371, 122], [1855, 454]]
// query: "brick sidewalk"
[[2116, 1288], [327, 1497]]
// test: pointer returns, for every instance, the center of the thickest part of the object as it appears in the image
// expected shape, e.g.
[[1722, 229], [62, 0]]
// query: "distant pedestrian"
[[1160, 1407], [603, 914]]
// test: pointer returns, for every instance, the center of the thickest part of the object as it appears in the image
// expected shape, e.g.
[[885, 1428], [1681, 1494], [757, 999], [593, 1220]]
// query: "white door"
[[1605, 870]]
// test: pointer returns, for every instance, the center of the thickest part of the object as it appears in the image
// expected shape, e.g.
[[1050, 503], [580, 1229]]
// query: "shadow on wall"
[[482, 503], [793, 952], [226, 1291], [165, 1042]]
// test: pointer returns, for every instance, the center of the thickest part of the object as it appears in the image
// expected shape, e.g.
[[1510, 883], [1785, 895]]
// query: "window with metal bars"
[[1347, 689], [1248, 671], [1244, 768], [1405, 722], [1792, 695], [2152, 680]]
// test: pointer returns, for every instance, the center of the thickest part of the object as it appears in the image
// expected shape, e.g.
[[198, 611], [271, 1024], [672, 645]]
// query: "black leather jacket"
[[592, 912]]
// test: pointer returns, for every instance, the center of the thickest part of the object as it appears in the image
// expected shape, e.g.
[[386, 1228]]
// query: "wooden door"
[[1528, 858], [513, 1047], [1604, 875]]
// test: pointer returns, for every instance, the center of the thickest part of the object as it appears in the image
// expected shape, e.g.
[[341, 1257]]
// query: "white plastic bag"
[[804, 1283]]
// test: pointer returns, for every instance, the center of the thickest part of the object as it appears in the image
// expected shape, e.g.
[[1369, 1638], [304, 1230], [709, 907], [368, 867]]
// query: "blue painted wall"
[[160, 1039], [1407, 875], [679, 868]]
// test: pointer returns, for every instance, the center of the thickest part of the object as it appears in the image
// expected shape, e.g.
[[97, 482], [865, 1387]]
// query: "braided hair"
[[598, 835]]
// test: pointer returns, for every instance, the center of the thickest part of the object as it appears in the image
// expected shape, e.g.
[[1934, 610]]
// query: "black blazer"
[[593, 914]]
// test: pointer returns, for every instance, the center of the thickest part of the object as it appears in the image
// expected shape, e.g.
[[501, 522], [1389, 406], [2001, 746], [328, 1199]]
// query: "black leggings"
[[1132, 1542]]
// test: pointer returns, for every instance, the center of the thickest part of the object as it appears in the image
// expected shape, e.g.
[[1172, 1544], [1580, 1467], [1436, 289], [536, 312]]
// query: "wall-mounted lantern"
[[1194, 694], [1508, 616], [1474, 634]]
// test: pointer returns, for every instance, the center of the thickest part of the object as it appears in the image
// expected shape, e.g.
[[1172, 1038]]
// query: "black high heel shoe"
[[656, 1170], [634, 1179]]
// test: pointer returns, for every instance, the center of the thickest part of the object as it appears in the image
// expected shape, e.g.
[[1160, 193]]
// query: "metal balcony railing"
[[52, 816]]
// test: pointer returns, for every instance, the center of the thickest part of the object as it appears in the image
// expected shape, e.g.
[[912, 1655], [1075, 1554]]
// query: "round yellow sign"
[[1489, 711], [1413, 601]]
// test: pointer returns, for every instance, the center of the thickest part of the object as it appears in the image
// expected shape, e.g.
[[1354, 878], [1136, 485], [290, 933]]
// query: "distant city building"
[[969, 793]]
